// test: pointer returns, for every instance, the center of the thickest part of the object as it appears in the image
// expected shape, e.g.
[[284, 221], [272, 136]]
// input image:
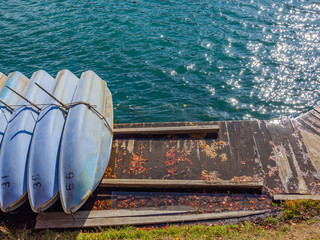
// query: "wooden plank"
[[234, 150], [110, 214], [147, 220], [161, 124], [282, 154], [262, 142], [293, 149], [176, 184], [124, 152], [251, 165], [301, 160], [243, 154], [215, 155], [315, 114], [317, 108], [158, 156], [310, 143], [304, 124], [168, 130], [292, 197], [310, 122]]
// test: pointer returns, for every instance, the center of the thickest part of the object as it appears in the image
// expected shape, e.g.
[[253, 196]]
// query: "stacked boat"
[[55, 138]]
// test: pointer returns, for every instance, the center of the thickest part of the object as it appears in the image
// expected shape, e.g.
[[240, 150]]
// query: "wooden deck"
[[283, 154], [276, 158]]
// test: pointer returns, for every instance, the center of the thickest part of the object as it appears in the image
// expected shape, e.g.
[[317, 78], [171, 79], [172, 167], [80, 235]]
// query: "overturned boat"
[[86, 142], [58, 140], [42, 180]]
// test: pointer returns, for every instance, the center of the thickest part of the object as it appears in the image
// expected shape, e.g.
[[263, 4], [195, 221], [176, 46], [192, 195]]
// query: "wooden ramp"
[[283, 154], [131, 217], [279, 158]]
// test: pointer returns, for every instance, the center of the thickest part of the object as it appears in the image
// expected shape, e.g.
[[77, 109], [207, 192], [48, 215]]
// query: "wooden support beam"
[[292, 197], [56, 222], [111, 213], [177, 184], [167, 130]]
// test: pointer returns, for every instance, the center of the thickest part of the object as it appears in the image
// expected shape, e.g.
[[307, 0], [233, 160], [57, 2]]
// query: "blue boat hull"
[[86, 143], [16, 143], [18, 82], [45, 147]]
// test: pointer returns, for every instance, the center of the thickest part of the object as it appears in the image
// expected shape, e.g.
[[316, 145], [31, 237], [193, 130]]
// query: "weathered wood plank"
[[295, 154], [120, 221], [124, 151], [110, 214], [283, 157], [176, 184], [315, 113], [301, 160], [312, 121], [251, 165], [262, 142], [292, 197], [314, 116], [157, 157], [317, 108], [305, 124], [167, 130], [273, 151], [162, 124], [215, 156], [224, 153], [236, 159], [243, 156], [310, 143]]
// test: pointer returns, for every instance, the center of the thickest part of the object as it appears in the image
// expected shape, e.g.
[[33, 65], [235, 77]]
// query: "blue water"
[[175, 60]]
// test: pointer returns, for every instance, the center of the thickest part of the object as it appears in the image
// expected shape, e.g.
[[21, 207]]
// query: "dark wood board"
[[283, 156], [167, 130], [236, 160], [158, 157], [241, 150], [263, 144], [312, 121], [248, 152], [215, 155], [306, 166], [264, 147], [305, 124], [56, 222], [300, 160], [309, 142]]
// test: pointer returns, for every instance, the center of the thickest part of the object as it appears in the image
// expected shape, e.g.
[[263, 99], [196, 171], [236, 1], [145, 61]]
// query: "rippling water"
[[175, 60]]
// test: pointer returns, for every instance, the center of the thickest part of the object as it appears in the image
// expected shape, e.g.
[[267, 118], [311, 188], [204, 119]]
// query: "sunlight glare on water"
[[170, 60]]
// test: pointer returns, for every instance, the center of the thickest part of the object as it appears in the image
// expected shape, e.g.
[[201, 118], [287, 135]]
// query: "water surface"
[[175, 60]]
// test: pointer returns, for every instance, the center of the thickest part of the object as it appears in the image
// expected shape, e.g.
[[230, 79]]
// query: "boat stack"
[[55, 138]]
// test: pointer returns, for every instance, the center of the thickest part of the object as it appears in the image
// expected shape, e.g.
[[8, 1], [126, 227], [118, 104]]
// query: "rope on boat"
[[73, 216]]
